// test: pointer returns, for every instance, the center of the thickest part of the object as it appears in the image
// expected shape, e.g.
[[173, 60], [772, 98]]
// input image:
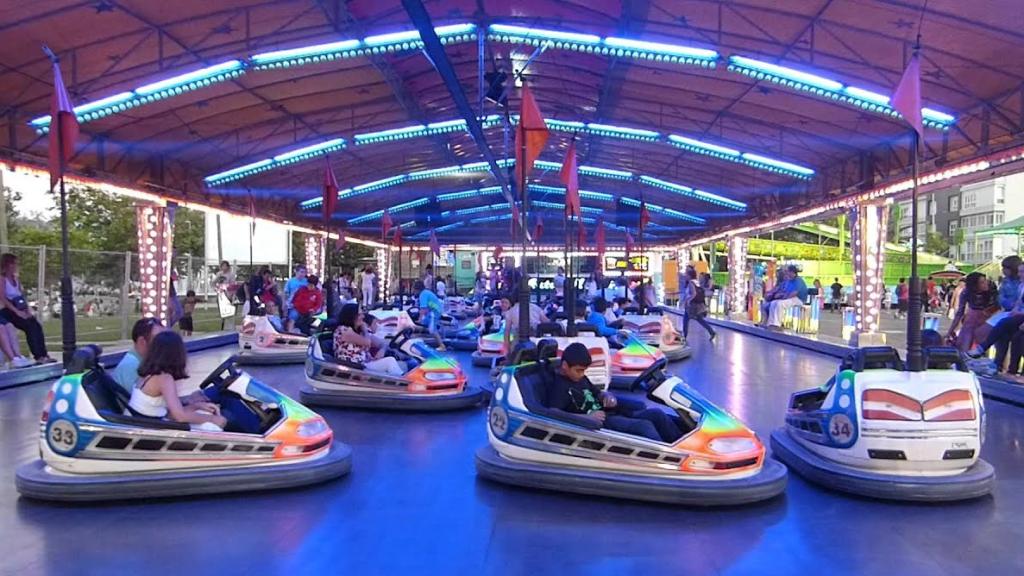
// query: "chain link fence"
[[106, 291]]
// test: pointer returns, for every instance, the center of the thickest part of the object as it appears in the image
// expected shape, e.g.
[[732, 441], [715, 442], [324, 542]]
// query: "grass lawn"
[[107, 329]]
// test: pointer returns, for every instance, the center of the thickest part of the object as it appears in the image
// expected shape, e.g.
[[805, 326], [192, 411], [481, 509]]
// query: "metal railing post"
[[125, 289], [188, 278], [42, 301]]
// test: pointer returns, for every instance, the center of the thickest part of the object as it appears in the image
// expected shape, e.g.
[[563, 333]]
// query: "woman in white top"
[[369, 287], [157, 394], [14, 309]]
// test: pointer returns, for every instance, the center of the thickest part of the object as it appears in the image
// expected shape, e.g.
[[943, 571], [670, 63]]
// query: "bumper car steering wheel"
[[651, 377], [222, 375], [401, 338]]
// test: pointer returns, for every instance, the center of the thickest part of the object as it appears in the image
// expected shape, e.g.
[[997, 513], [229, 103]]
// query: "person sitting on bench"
[[572, 392]]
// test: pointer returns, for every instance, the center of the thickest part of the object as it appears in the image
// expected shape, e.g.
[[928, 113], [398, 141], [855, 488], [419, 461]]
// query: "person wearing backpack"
[[696, 306]]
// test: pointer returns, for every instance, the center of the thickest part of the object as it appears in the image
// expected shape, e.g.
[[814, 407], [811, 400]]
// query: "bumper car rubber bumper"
[[1002, 390], [264, 358], [768, 483], [35, 480], [676, 352], [460, 344], [483, 360], [975, 482], [469, 397]]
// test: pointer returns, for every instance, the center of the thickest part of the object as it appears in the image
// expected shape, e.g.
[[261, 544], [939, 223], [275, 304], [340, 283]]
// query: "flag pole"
[[523, 333], [915, 355], [67, 303]]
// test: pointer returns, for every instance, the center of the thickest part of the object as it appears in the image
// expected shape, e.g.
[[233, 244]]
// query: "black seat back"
[[326, 340], [585, 327], [944, 358], [522, 353], [104, 392], [84, 359], [550, 329], [533, 387], [547, 349], [873, 358]]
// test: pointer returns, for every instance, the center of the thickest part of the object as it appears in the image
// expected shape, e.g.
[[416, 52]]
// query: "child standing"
[[187, 308]]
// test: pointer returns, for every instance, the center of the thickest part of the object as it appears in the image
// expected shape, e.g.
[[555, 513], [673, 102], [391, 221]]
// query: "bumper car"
[[432, 382], [877, 430], [629, 359], [463, 337], [656, 330], [489, 349], [717, 462], [93, 448], [390, 323], [260, 343]]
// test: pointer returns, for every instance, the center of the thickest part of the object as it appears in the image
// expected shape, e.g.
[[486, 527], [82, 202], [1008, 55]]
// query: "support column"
[[156, 238], [736, 294], [383, 269], [315, 255], [868, 224]]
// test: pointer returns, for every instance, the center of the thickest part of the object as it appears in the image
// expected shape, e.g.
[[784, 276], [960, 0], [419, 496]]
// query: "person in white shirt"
[[369, 287], [560, 283]]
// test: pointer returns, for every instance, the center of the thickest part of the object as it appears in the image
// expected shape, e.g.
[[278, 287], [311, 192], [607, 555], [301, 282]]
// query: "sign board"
[[619, 264], [269, 244]]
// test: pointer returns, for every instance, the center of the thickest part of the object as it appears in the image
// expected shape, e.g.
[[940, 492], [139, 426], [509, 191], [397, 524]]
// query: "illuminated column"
[[315, 254], [383, 269], [155, 225], [736, 295], [868, 223]]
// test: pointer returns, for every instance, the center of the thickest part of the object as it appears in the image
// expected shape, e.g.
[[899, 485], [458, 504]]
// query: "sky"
[[35, 201]]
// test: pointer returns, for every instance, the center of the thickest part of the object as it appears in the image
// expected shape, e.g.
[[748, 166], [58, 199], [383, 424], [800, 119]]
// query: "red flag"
[[629, 242], [435, 246], [538, 229], [330, 192], [63, 128], [570, 178], [398, 237], [497, 253], [532, 126], [339, 243], [385, 224], [645, 217], [907, 98], [599, 238]]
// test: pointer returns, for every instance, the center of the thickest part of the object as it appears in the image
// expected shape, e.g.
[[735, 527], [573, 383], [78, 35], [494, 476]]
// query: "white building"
[[972, 208]]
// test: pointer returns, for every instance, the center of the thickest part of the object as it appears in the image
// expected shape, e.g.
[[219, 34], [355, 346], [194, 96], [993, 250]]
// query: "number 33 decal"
[[63, 436]]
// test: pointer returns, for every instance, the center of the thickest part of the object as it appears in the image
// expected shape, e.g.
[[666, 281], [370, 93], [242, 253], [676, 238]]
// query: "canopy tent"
[[716, 114], [1014, 227]]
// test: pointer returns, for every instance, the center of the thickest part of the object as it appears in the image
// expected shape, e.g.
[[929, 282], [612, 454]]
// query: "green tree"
[[895, 215], [189, 232], [958, 239], [936, 243]]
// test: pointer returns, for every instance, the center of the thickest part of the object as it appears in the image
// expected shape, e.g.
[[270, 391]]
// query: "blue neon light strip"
[[149, 93], [189, 81], [609, 46], [376, 44], [666, 211], [732, 155], [831, 89], [282, 159], [693, 193], [483, 167]]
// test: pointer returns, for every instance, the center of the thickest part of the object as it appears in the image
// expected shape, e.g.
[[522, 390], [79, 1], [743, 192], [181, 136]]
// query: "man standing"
[[560, 284], [837, 295], [126, 374], [572, 392], [792, 291], [428, 278], [290, 289]]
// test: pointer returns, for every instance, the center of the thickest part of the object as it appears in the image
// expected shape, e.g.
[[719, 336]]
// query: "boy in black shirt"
[[572, 392]]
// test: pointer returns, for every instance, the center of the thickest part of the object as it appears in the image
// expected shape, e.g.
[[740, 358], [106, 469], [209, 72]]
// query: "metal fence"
[[106, 290]]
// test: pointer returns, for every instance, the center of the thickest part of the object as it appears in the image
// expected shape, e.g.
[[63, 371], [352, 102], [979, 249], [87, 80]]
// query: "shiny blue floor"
[[413, 505]]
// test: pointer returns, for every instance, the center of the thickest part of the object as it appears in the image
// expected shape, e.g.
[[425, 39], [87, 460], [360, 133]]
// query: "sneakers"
[[713, 336], [21, 362], [976, 352]]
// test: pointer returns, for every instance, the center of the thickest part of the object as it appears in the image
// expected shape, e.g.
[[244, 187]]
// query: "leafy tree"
[[936, 243], [189, 232], [895, 215]]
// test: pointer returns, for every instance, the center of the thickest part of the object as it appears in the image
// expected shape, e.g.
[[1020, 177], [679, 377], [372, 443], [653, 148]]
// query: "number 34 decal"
[[63, 436], [840, 428]]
